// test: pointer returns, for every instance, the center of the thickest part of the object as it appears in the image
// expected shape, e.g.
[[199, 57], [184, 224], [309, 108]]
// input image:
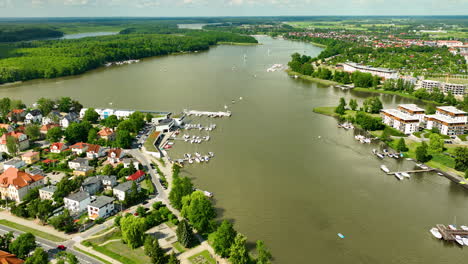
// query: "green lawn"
[[310, 78], [463, 137], [31, 230], [179, 247], [116, 234], [91, 255], [122, 253], [149, 143], [203, 257]]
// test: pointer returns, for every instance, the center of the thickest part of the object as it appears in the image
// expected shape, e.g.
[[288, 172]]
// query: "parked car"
[[61, 247]]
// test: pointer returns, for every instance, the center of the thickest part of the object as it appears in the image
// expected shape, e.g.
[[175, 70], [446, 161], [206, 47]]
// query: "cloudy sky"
[[75, 8]]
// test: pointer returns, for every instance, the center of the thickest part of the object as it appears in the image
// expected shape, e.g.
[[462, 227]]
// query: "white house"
[[115, 155], [108, 181], [449, 120], [102, 207], [46, 193], [405, 123], [58, 147], [126, 162], [52, 118], [79, 148], [34, 116], [94, 151], [77, 202], [78, 162], [121, 190], [68, 119]]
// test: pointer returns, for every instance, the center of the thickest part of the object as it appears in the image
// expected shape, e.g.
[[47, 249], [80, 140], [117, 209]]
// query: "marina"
[[451, 233], [206, 113]]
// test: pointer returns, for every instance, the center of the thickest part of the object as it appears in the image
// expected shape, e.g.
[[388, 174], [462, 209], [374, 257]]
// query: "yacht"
[[405, 174], [464, 227], [435, 232], [459, 240], [207, 158], [384, 168], [398, 176], [453, 227], [380, 155]]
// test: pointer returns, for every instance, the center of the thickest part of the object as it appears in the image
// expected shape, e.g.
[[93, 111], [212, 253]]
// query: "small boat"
[[197, 154], [459, 240], [341, 235], [453, 227], [409, 159], [465, 240], [440, 174], [380, 155], [190, 161], [405, 174], [374, 151], [208, 194], [197, 160], [384, 168], [464, 227], [435, 232], [211, 154], [207, 158], [398, 176], [240, 98]]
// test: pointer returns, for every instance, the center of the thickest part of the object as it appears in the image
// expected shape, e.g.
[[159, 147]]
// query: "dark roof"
[[35, 112], [101, 201], [78, 196], [50, 188], [124, 187]]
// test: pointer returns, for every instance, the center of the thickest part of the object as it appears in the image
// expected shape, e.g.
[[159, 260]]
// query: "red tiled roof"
[[8, 258], [93, 148], [105, 132], [3, 139], [49, 161], [58, 145], [79, 145], [17, 178], [136, 175], [48, 126], [117, 152]]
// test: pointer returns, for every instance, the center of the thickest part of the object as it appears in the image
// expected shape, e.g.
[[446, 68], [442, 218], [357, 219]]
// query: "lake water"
[[281, 172]]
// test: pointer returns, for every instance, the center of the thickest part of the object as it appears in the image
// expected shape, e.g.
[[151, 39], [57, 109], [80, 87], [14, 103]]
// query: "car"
[[61, 247], [135, 214]]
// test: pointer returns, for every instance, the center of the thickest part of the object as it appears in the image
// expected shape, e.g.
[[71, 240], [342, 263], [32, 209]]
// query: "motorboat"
[[190, 161], [207, 158], [435, 232], [440, 174], [374, 151], [453, 227], [398, 176], [197, 154], [459, 240], [465, 240], [380, 155], [384, 168], [211, 154], [208, 194], [405, 174], [197, 160], [464, 227]]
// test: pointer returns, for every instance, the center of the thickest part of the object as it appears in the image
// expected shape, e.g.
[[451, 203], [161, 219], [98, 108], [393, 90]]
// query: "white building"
[[405, 123], [15, 184], [34, 116], [449, 120], [412, 110], [121, 190], [455, 89], [429, 85], [46, 193], [102, 207], [77, 202], [78, 162], [13, 163], [105, 113], [381, 72]]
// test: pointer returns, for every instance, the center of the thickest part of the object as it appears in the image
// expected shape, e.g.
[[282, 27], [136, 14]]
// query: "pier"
[[449, 234], [410, 171], [207, 113]]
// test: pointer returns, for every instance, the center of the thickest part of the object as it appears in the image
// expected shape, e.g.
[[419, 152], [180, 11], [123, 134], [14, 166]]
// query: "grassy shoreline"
[[33, 231], [380, 91], [318, 44], [310, 78], [237, 43]]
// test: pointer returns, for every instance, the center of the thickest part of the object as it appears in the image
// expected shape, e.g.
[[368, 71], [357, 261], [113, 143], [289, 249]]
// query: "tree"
[[38, 257], [421, 153], [149, 117], [54, 134], [5, 106], [173, 259], [223, 238], [107, 170], [66, 257], [63, 222], [461, 158], [23, 245], [401, 146], [77, 132], [436, 143], [92, 135], [5, 241], [238, 252], [340, 110], [199, 211], [181, 186], [12, 145], [263, 254], [111, 121], [133, 229], [154, 251], [185, 234], [430, 109], [123, 139], [372, 105], [33, 131], [45, 105], [353, 104], [64, 104], [91, 115], [127, 125]]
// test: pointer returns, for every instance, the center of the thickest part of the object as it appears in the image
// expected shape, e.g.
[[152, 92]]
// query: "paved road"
[[51, 247]]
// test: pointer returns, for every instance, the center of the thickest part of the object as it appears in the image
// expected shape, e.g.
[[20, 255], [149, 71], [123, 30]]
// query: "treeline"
[[22, 33]]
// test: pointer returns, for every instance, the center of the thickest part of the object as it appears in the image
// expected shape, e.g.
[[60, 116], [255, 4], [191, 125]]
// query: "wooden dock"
[[449, 234], [411, 171]]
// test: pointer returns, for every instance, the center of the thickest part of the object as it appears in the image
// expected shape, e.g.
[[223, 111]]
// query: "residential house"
[[35, 170], [102, 207], [8, 258], [91, 185], [13, 163], [108, 181], [449, 120], [52, 118], [15, 184], [77, 202], [107, 134], [94, 151], [16, 115], [46, 192], [45, 128], [79, 148], [399, 120], [58, 147], [121, 190], [115, 155], [22, 141], [68, 119], [83, 171], [127, 161], [33, 116], [78, 162], [7, 127], [137, 176], [30, 157]]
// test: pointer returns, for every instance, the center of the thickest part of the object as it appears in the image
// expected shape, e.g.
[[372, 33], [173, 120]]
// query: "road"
[[51, 247]]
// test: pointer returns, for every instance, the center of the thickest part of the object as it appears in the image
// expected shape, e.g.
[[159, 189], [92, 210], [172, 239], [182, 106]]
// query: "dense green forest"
[[21, 33]]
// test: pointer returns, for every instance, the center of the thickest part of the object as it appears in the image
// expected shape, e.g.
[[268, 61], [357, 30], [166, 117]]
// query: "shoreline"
[[237, 43], [310, 78]]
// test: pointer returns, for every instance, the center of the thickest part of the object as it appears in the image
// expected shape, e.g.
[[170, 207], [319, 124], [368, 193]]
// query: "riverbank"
[[238, 43], [405, 95], [310, 78], [318, 44]]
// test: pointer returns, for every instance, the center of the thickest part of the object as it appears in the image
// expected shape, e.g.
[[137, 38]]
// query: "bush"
[[99, 220]]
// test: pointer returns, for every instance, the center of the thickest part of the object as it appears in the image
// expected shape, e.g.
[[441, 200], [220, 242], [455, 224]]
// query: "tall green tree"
[[33, 131], [461, 158], [64, 104], [64, 257], [422, 154], [353, 104], [91, 115], [38, 257], [436, 143], [5, 106], [173, 259], [123, 139], [185, 234], [197, 208], [45, 105], [77, 132], [181, 186], [223, 238], [133, 229], [23, 245], [154, 251], [12, 145], [239, 253], [401, 146], [5, 241], [54, 134], [263, 254]]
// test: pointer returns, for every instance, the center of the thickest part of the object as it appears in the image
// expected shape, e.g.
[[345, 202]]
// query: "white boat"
[[197, 154], [380, 155], [197, 160], [435, 232], [409, 159], [208, 194], [211, 154], [453, 227], [207, 138], [465, 240], [459, 240], [384, 168], [374, 151], [207, 158], [440, 174], [398, 176], [405, 174], [464, 227], [190, 161]]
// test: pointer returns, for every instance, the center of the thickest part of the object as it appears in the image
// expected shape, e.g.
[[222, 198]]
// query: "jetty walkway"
[[410, 171], [207, 113], [449, 234]]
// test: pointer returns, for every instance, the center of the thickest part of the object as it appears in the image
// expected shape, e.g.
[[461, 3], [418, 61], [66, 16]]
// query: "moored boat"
[[384, 168], [464, 227], [459, 240], [398, 176], [435, 232], [453, 227], [405, 174], [465, 240]]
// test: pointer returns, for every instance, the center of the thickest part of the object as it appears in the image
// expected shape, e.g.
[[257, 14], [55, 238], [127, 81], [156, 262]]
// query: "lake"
[[282, 173]]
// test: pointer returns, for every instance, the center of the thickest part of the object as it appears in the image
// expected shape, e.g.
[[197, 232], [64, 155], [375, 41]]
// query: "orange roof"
[[93, 148], [58, 145], [17, 178], [8, 258], [48, 126], [30, 154], [5, 126], [105, 132], [117, 152], [136, 175], [17, 111], [3, 139], [79, 145]]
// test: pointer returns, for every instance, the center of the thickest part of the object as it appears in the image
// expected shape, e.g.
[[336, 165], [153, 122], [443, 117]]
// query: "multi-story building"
[[455, 89], [120, 191], [381, 72], [78, 162], [102, 207], [412, 110], [30, 157], [449, 120], [429, 85], [22, 141], [399, 120], [47, 192], [77, 202], [15, 184]]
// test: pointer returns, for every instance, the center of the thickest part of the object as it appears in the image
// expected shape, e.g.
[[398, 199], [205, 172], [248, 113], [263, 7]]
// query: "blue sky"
[[76, 8]]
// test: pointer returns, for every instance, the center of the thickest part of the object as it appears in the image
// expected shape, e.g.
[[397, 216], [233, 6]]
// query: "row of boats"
[[121, 62], [210, 127], [197, 157], [386, 153], [462, 241], [363, 139], [346, 125], [275, 67], [399, 175], [195, 139]]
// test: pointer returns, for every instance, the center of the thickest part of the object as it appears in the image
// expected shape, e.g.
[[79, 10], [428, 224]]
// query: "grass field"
[[149, 143], [310, 78], [203, 257], [91, 255], [33, 231], [116, 234]]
